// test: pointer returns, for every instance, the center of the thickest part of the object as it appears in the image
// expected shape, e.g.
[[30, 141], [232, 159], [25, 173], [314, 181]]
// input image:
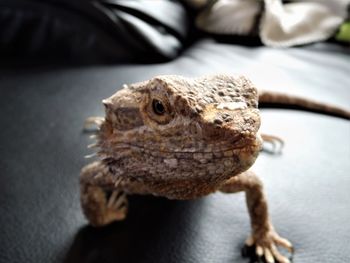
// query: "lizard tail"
[[276, 99]]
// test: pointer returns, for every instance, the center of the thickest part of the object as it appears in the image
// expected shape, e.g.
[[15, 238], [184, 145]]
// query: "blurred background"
[[113, 31], [60, 58]]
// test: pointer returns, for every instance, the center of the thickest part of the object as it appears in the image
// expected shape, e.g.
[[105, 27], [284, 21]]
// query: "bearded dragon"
[[183, 138]]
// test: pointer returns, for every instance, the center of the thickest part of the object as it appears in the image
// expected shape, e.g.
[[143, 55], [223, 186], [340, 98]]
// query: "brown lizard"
[[184, 138]]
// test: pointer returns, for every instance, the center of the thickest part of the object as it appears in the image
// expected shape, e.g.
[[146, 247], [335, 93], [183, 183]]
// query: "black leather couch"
[[42, 147]]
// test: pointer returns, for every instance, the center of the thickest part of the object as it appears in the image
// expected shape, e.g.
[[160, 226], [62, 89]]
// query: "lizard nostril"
[[218, 121], [107, 103]]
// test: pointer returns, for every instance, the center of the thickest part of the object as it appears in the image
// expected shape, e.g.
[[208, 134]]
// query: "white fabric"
[[300, 22], [281, 25]]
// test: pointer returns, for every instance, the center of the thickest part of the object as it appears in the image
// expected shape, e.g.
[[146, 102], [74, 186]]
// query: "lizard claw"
[[265, 248], [275, 142], [117, 205], [101, 207]]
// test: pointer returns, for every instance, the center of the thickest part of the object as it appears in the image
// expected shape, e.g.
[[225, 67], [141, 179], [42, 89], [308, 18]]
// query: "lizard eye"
[[158, 107]]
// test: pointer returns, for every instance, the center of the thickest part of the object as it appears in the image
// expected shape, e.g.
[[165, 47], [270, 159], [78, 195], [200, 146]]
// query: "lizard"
[[184, 138]]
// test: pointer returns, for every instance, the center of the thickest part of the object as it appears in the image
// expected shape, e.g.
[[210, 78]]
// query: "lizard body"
[[181, 138]]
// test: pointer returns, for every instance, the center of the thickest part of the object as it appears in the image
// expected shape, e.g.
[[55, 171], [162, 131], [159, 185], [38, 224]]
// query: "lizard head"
[[172, 133]]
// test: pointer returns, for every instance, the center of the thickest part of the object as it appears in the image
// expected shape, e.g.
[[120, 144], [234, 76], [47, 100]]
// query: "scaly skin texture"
[[180, 138]]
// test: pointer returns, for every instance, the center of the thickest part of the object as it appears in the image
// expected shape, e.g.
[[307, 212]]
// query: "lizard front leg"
[[263, 237], [101, 204]]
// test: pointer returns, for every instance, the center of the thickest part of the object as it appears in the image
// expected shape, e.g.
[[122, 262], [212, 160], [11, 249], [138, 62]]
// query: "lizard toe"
[[264, 249]]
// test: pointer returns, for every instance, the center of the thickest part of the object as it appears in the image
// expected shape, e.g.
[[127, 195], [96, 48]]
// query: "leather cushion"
[[92, 31], [42, 147]]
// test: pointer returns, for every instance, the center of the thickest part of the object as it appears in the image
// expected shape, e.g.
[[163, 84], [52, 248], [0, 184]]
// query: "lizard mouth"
[[181, 174], [199, 152]]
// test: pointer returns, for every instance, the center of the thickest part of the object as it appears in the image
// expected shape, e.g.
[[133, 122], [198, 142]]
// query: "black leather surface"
[[92, 31], [42, 148]]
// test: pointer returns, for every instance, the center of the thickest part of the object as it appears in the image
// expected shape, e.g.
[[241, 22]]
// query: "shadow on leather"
[[155, 230]]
